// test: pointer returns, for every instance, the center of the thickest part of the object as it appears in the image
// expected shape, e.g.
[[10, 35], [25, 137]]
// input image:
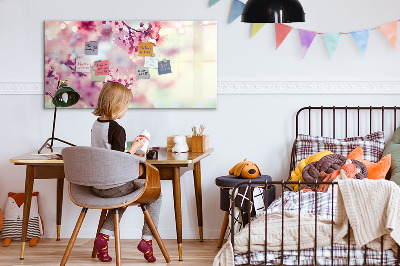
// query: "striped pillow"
[[372, 145]]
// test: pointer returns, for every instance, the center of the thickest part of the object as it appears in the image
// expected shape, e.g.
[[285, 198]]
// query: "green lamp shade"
[[65, 96]]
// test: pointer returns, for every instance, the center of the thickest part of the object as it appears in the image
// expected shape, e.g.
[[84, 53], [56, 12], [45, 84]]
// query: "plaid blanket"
[[323, 205], [306, 201], [324, 257]]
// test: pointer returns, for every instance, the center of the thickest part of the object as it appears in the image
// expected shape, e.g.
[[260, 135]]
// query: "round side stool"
[[228, 182]]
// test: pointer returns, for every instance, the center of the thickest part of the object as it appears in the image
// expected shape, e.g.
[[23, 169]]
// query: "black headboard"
[[344, 121]]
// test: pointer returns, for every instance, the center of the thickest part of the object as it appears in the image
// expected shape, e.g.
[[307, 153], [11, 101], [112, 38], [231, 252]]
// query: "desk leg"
[[199, 204], [60, 190], [27, 206], [176, 182]]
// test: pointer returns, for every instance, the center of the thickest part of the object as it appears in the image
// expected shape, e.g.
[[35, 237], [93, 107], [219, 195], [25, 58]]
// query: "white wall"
[[257, 127]]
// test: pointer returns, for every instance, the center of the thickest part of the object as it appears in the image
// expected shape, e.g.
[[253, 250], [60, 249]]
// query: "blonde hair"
[[113, 98]]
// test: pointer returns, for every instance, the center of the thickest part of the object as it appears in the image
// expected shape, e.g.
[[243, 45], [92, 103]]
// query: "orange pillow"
[[375, 170]]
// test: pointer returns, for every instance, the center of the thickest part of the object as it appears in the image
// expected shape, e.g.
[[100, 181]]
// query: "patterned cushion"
[[372, 144]]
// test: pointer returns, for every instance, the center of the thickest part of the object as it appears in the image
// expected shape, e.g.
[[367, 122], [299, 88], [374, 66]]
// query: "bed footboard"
[[383, 258]]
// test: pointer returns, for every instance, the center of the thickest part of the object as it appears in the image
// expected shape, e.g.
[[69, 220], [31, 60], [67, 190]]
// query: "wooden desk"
[[171, 167]]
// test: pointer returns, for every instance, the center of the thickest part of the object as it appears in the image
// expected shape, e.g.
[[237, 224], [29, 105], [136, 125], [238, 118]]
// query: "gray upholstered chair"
[[85, 167]]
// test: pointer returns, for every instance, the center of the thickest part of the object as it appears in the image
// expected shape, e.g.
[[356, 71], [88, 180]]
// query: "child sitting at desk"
[[106, 133]]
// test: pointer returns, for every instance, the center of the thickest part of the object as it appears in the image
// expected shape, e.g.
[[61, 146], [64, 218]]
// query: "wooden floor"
[[50, 252]]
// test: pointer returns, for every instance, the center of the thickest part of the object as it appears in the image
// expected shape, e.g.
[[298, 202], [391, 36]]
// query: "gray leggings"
[[154, 208]]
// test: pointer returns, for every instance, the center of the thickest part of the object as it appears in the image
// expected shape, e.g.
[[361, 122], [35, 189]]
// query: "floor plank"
[[49, 252]]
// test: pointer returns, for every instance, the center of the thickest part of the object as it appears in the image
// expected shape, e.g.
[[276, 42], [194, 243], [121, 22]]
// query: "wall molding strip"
[[259, 87], [309, 87], [21, 88]]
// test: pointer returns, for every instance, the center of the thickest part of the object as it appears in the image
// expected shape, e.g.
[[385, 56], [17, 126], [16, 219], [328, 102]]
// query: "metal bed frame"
[[283, 184]]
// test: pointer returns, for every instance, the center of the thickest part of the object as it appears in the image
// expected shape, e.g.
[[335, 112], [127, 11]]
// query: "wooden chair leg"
[[117, 239], [223, 229], [101, 222], [73, 237], [154, 230]]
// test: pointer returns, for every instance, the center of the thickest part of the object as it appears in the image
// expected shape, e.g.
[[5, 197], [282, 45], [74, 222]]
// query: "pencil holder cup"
[[200, 143]]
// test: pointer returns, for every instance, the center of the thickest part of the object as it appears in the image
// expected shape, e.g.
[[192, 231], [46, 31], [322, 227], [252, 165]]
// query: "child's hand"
[[137, 144], [143, 155]]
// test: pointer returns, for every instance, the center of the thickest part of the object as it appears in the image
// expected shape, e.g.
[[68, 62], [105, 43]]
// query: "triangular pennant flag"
[[361, 37], [306, 39], [213, 2], [255, 28], [281, 31], [237, 8], [332, 41], [390, 32]]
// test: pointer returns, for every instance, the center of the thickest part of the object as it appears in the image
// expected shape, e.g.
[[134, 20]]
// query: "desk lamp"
[[273, 11], [64, 97]]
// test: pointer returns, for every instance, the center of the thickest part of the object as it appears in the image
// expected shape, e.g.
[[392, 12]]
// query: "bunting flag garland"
[[361, 37], [281, 31], [306, 39], [213, 2], [255, 28], [237, 8], [332, 41], [389, 30]]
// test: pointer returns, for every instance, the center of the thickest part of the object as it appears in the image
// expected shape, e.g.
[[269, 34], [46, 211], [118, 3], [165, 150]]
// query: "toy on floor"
[[13, 215], [245, 169]]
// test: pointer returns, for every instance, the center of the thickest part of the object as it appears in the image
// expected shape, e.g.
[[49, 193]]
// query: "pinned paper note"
[[145, 49], [98, 78], [142, 72], [82, 65], [164, 67], [151, 62], [91, 48], [101, 67]]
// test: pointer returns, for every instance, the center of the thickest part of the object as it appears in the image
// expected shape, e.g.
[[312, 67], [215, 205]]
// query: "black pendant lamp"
[[272, 11]]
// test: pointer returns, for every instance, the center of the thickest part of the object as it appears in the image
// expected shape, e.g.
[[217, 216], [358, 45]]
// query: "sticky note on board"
[[91, 48], [145, 49], [101, 67], [142, 72], [98, 78], [151, 62], [164, 67], [82, 65]]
